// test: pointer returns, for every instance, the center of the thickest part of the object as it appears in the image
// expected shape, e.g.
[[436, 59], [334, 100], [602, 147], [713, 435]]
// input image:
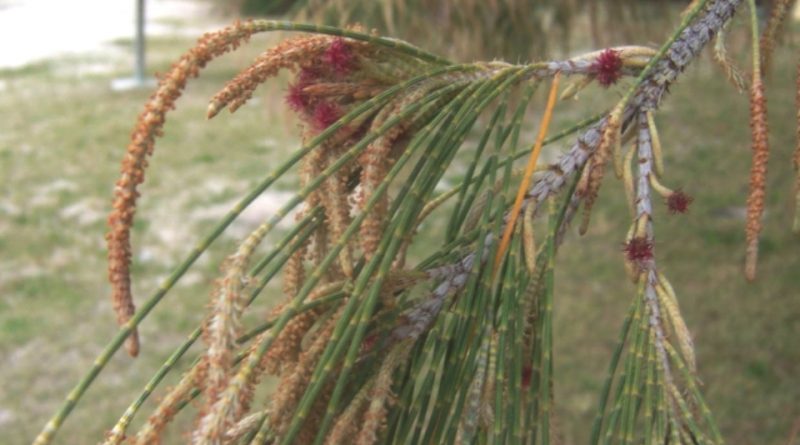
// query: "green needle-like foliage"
[[393, 332]]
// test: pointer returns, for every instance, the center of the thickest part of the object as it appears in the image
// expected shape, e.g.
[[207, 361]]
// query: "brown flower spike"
[[778, 13], [758, 175], [148, 127], [597, 168]]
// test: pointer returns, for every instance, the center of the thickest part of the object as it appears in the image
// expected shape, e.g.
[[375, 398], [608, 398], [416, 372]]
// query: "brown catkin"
[[151, 432], [148, 127], [778, 13], [299, 52], [337, 207], [226, 311], [220, 410], [597, 169], [375, 164], [285, 351], [378, 158], [347, 423], [244, 426], [220, 333], [245, 396], [316, 415], [214, 421], [311, 168], [286, 55], [294, 380], [381, 397], [294, 274], [294, 271], [287, 346], [758, 174]]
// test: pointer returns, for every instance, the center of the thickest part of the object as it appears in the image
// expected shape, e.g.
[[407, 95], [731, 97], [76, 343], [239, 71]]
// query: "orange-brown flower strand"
[[778, 13], [287, 54], [152, 431], [597, 169], [148, 127], [758, 175]]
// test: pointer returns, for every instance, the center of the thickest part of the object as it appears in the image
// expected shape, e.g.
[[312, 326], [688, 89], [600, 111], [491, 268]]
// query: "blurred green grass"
[[62, 137]]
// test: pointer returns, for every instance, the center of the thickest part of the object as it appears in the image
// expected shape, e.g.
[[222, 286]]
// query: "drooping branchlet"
[[302, 347]]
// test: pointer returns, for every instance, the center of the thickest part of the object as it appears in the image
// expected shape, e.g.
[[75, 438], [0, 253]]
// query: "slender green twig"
[[388, 42]]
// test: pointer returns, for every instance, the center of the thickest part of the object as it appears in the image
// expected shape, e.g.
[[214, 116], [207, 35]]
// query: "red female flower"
[[325, 114], [638, 249], [339, 56], [678, 202], [296, 98], [307, 76], [607, 68]]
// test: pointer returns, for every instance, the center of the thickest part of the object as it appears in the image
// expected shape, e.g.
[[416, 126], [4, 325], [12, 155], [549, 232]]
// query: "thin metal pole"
[[140, 64], [139, 78]]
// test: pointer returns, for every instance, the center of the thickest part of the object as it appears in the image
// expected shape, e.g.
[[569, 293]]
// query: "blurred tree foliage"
[[513, 30]]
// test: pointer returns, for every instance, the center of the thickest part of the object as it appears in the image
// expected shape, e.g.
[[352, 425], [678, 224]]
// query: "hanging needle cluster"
[[393, 330]]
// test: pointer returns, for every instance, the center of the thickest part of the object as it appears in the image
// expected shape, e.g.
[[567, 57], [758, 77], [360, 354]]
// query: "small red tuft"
[[638, 249], [325, 114], [678, 202], [339, 56], [607, 68], [307, 76], [297, 99]]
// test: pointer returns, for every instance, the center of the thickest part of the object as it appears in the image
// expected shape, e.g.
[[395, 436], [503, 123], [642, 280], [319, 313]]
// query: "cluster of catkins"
[[332, 77]]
